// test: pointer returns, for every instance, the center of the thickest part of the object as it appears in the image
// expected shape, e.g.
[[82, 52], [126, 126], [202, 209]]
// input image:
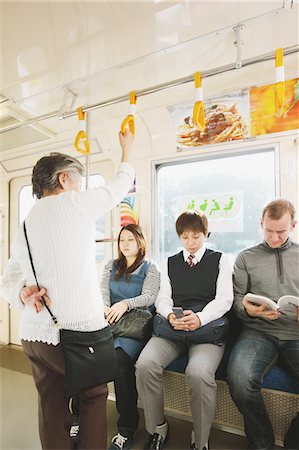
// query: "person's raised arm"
[[93, 203], [126, 142]]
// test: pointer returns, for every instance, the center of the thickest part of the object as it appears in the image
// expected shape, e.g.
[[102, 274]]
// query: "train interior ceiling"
[[59, 56]]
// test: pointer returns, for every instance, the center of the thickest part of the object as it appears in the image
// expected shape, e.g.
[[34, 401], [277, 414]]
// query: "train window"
[[231, 190], [26, 201]]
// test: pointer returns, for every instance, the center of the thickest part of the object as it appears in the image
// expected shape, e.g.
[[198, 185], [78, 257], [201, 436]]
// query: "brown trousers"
[[53, 409]]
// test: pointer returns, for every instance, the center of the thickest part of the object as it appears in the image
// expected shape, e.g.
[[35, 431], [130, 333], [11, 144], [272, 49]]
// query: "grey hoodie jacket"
[[272, 273]]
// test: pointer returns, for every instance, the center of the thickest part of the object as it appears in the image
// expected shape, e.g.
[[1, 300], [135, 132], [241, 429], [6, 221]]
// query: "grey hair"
[[46, 171]]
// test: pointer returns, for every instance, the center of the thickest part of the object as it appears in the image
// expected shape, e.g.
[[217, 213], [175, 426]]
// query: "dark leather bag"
[[214, 332], [89, 356], [136, 324]]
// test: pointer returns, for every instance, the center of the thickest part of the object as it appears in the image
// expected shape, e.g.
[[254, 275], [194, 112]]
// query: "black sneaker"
[[148, 442], [193, 445], [155, 442], [120, 442]]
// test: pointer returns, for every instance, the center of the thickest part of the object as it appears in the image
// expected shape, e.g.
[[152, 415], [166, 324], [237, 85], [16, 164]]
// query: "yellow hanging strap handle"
[[130, 119], [198, 109], [279, 83], [81, 137]]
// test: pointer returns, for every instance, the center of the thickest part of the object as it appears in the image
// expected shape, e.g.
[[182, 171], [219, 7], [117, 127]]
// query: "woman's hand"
[[116, 311], [189, 322], [31, 295]]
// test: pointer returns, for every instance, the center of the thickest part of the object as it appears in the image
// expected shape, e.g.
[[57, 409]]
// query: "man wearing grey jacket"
[[269, 269]]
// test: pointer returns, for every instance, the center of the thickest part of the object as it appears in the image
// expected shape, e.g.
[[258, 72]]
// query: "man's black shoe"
[[155, 441]]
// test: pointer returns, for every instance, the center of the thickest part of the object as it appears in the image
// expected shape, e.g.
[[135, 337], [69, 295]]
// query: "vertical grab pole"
[[87, 156]]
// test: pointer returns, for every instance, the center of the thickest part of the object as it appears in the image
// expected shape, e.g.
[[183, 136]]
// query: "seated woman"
[[130, 281]]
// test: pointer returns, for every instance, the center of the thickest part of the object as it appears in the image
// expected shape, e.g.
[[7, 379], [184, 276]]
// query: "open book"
[[285, 302]]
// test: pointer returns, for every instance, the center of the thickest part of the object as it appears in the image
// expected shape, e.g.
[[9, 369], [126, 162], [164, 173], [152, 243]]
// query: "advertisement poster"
[[224, 210], [263, 119], [227, 119], [129, 210], [236, 116]]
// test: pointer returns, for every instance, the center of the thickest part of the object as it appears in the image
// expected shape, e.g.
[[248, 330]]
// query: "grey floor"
[[18, 413]]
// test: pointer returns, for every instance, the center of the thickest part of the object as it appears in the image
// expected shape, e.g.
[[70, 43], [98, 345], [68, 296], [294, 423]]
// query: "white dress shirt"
[[217, 307]]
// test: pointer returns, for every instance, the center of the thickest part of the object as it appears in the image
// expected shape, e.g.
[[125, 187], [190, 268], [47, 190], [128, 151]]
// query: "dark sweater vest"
[[194, 287]]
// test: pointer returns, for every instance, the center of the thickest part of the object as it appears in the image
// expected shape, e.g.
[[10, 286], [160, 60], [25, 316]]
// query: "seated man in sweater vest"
[[198, 280], [269, 269]]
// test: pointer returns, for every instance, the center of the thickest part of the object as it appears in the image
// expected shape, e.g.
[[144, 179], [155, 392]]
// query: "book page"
[[260, 300], [288, 302]]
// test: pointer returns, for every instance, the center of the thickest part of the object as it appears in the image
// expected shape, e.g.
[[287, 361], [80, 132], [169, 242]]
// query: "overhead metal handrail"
[[153, 89]]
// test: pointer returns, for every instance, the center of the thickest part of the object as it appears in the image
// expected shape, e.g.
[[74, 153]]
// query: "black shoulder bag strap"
[[34, 273]]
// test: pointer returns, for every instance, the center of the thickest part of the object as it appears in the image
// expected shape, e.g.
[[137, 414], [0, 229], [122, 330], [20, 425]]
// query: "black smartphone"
[[178, 311]]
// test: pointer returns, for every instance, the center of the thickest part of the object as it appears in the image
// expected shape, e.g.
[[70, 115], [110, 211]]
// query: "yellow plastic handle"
[[199, 115], [198, 109], [279, 98], [130, 119], [197, 79], [279, 57], [81, 137], [130, 122], [133, 98], [280, 85]]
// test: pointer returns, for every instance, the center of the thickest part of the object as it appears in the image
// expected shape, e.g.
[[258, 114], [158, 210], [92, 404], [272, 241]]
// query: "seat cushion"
[[278, 378]]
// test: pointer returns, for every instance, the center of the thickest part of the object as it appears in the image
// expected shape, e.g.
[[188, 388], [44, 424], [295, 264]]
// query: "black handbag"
[[213, 332], [136, 324], [89, 356]]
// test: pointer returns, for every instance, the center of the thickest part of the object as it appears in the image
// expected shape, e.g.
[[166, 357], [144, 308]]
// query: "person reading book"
[[269, 269], [285, 304]]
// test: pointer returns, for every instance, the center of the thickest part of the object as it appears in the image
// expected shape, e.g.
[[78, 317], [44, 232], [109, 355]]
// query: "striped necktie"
[[190, 261]]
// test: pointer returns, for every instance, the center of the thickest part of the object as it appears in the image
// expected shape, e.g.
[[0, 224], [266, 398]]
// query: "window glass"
[[26, 201], [230, 190]]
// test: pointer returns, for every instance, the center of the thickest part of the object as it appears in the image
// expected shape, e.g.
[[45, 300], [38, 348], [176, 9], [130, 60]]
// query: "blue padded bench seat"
[[278, 378]]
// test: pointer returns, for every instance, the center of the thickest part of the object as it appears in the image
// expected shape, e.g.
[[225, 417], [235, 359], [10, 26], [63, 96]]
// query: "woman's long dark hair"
[[121, 262]]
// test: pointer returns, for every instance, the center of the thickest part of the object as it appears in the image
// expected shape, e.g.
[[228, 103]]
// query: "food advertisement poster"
[[263, 118], [236, 116], [224, 210], [227, 119]]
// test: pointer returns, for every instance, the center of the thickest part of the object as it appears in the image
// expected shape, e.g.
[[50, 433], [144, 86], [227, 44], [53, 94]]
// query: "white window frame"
[[207, 154]]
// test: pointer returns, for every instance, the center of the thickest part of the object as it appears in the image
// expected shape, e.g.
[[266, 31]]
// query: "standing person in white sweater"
[[61, 234]]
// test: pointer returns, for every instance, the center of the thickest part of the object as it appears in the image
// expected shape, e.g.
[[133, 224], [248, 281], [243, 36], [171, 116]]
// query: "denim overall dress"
[[125, 288]]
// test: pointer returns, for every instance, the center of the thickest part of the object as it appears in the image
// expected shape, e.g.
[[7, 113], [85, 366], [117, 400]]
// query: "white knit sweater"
[[61, 234]]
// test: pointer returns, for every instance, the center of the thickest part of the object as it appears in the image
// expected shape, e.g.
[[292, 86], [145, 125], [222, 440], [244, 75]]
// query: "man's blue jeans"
[[252, 357]]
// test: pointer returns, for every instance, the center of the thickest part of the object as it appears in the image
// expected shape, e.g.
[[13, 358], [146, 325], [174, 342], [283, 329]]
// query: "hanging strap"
[[54, 318]]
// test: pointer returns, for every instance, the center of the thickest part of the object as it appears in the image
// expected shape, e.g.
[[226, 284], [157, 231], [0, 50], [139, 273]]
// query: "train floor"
[[18, 413]]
